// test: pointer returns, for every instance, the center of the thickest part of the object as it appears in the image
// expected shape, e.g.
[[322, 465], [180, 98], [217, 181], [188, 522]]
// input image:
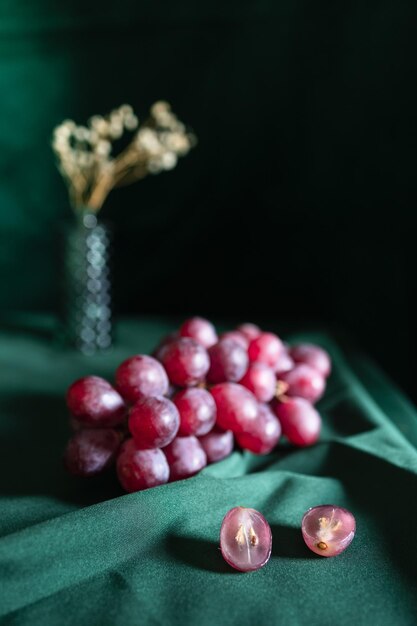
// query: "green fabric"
[[83, 553]]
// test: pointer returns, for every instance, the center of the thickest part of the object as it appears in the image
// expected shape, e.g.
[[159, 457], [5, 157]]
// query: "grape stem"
[[280, 390]]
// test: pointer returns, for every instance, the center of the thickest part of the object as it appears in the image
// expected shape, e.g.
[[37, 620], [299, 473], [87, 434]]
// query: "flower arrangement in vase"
[[87, 160]]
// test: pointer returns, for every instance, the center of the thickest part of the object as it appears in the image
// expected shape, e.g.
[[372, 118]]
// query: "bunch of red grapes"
[[171, 414]]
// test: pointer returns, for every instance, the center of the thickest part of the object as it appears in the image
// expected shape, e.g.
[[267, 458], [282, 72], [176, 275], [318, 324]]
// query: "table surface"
[[82, 552]]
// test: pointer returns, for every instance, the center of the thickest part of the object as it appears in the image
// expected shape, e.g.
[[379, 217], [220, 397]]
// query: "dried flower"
[[84, 153]]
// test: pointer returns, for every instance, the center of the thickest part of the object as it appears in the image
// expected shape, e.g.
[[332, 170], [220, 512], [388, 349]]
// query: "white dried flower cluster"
[[85, 152], [113, 126], [165, 140]]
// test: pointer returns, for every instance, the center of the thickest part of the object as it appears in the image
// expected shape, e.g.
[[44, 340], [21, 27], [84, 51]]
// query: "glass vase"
[[87, 302]]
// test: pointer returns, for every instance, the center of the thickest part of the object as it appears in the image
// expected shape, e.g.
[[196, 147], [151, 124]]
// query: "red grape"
[[140, 376], [153, 422], [163, 343], [186, 362], [197, 411], [312, 355], [328, 529], [260, 380], [95, 403], [91, 451], [141, 469], [250, 331], [245, 539], [170, 407], [228, 361], [237, 407], [185, 456], [304, 382], [201, 330], [217, 444], [237, 336], [300, 421], [263, 435], [267, 348], [284, 364]]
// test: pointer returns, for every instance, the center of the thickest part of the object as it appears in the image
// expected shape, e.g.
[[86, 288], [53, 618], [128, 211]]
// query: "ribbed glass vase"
[[87, 310]]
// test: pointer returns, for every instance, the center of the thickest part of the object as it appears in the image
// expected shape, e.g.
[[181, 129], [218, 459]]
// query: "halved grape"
[[245, 539], [328, 529]]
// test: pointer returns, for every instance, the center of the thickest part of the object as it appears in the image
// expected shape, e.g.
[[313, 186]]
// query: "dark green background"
[[298, 203]]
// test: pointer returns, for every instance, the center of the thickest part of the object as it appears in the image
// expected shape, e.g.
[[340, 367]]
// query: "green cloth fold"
[[81, 552]]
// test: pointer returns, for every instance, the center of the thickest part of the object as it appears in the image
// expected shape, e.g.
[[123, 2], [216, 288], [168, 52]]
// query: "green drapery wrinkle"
[[85, 553]]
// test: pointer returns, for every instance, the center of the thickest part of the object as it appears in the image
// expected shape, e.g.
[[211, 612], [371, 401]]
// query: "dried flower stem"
[[84, 152]]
